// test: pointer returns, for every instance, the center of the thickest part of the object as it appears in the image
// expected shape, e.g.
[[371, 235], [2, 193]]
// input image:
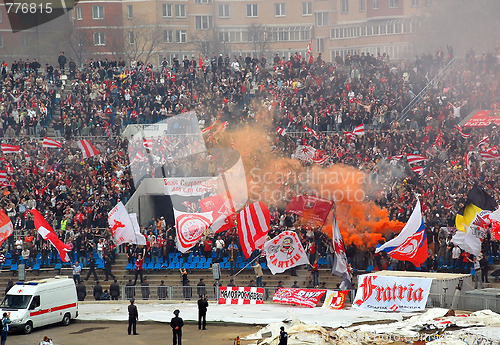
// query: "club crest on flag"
[[284, 251]]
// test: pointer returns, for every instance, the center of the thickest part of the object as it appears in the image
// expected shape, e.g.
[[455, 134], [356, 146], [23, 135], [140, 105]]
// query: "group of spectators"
[[102, 97]]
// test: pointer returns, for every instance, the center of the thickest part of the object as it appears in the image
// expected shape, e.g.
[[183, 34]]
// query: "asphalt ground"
[[115, 333]]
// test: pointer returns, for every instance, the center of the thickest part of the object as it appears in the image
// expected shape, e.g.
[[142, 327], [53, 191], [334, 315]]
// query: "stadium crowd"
[[103, 97]]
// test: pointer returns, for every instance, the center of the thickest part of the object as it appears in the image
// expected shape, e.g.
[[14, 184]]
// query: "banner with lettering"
[[241, 295], [285, 251], [391, 293], [335, 299], [189, 186], [303, 297]]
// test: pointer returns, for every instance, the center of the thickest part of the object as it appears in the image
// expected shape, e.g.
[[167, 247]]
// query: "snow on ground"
[[262, 314]]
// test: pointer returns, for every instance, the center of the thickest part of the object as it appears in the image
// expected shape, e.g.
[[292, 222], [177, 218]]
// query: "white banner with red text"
[[241, 295], [391, 293], [303, 297], [189, 186], [334, 299]]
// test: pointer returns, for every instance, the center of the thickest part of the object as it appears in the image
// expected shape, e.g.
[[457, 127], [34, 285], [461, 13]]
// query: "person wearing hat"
[[133, 316], [283, 336], [176, 323], [202, 312]]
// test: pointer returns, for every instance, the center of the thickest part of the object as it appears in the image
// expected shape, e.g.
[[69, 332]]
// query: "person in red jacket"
[[138, 268]]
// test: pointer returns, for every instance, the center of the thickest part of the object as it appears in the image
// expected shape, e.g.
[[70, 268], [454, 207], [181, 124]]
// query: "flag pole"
[[251, 262]]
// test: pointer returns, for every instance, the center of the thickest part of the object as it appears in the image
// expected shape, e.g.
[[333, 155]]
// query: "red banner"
[[303, 297], [310, 207], [483, 118], [241, 295]]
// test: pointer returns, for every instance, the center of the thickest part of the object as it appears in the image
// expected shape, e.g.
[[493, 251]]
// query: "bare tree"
[[259, 36], [80, 42]]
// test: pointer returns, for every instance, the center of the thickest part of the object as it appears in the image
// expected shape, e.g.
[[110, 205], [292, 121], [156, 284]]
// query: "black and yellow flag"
[[477, 200]]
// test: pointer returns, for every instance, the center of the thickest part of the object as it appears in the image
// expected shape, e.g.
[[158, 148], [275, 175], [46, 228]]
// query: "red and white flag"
[[205, 130], [6, 148], [223, 126], [320, 160], [311, 131], [489, 155], [467, 160], [139, 157], [341, 267], [310, 207], [121, 226], [281, 131], [51, 143], [359, 130], [418, 169], [395, 158], [309, 48], [464, 135], [88, 150], [305, 153], [350, 135], [285, 251], [412, 158], [190, 228], [3, 176], [439, 139], [6, 228], [48, 234], [222, 212], [483, 141], [148, 143], [253, 225]]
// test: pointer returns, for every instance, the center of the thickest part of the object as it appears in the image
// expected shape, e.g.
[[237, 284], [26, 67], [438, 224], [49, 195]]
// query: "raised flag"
[[148, 143], [359, 130], [305, 153], [48, 234], [311, 131], [350, 135], [205, 130], [439, 139], [341, 265], [139, 157], [320, 160], [490, 155], [140, 239], [6, 228], [309, 207], [88, 150], [495, 223], [121, 227], [464, 135], [309, 48], [253, 225], [478, 200], [51, 143], [411, 243], [223, 126], [467, 241], [413, 158], [483, 141], [6, 148], [190, 228], [467, 160], [221, 209], [281, 131], [3, 176], [395, 158], [285, 251], [418, 169]]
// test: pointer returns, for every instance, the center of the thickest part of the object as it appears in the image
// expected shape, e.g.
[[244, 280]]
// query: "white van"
[[40, 302]]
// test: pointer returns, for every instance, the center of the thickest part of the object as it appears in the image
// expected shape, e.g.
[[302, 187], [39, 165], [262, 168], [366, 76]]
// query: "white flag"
[[284, 251], [121, 226], [467, 241], [305, 153], [139, 238], [341, 267]]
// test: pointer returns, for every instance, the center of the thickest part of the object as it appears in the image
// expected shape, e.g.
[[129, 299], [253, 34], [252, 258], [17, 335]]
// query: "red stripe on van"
[[45, 311]]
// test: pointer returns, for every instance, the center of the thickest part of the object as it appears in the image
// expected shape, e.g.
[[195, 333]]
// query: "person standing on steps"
[[138, 268], [176, 323], [114, 290], [91, 263], [202, 312], [133, 316]]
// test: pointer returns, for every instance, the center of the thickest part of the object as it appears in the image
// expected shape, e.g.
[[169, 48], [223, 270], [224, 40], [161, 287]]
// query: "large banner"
[[241, 295], [285, 251], [310, 207], [303, 297], [189, 186], [121, 226], [389, 293], [335, 299], [483, 118]]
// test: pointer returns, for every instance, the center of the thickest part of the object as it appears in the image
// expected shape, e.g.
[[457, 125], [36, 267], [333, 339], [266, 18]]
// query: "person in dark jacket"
[[114, 290], [176, 323], [133, 316], [129, 289], [162, 291], [97, 291], [81, 291], [107, 267], [202, 312], [283, 336], [145, 289], [91, 264]]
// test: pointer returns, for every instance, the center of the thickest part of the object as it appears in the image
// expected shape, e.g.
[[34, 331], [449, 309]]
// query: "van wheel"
[[66, 319], [28, 327]]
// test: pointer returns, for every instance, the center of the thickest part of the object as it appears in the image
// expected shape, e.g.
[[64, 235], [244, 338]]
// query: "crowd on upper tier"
[[101, 97]]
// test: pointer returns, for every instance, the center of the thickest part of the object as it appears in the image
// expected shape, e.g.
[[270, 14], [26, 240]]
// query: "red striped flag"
[[394, 158], [320, 160], [148, 143], [464, 135], [467, 160], [281, 131], [418, 169], [223, 126], [350, 135], [412, 158], [139, 157], [485, 140], [51, 143], [253, 225], [439, 139], [311, 131], [359, 130], [88, 150], [208, 128], [3, 176], [489, 155], [6, 148]]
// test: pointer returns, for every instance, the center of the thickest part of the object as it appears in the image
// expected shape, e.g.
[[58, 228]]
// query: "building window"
[[99, 39], [280, 10], [97, 12], [362, 5], [167, 11], [344, 6], [307, 8], [26, 41], [224, 11], [180, 11], [1, 41], [168, 36], [252, 10], [224, 36], [181, 36], [202, 1], [78, 11], [320, 43], [321, 18], [130, 11], [203, 22], [414, 3], [393, 3], [131, 37], [375, 4]]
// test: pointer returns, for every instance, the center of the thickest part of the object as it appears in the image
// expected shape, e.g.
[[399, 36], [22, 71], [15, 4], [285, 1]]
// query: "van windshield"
[[15, 302]]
